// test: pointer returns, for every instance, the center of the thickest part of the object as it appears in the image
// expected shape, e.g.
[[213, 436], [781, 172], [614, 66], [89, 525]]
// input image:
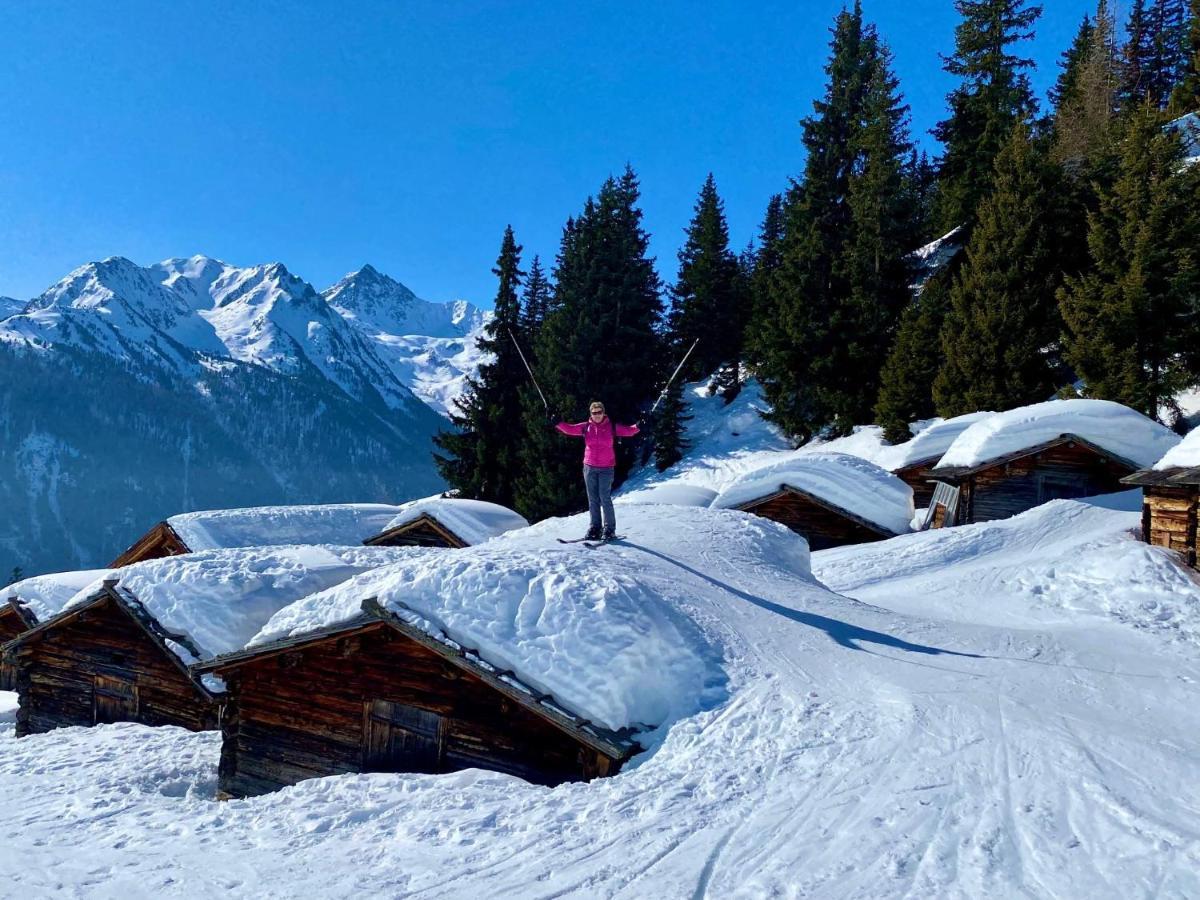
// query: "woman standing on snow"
[[599, 464]]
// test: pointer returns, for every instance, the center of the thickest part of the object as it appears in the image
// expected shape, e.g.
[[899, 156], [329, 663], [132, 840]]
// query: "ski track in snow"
[[898, 747]]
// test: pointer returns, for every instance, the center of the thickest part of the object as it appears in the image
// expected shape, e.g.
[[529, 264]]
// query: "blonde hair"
[[594, 405]]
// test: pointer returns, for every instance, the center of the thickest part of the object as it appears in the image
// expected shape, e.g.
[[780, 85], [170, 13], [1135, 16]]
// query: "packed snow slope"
[[1006, 713]]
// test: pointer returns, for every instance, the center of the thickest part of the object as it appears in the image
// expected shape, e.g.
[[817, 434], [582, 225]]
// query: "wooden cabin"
[[424, 531], [822, 524], [379, 695], [159, 542], [918, 476], [1066, 467], [15, 620], [447, 522], [1169, 501], [105, 660], [343, 524]]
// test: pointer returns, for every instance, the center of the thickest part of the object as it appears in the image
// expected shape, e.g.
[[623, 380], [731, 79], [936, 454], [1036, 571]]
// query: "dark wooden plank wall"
[[157, 543], [1170, 519], [917, 478], [1058, 472], [823, 528], [422, 534], [304, 714], [57, 675], [11, 626]]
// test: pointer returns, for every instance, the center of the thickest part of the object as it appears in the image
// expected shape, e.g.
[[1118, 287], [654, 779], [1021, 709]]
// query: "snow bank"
[[1183, 455], [1188, 128], [568, 622], [219, 599], [47, 595], [1116, 428], [848, 482], [671, 494], [343, 524], [472, 520], [930, 442]]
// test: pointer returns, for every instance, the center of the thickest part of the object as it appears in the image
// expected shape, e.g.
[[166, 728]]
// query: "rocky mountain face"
[[131, 393]]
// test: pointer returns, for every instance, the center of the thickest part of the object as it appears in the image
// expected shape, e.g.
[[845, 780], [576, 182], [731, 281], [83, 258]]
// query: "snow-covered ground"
[[1011, 709]]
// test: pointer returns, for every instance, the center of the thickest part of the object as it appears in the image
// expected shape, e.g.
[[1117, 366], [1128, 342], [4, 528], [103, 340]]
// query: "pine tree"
[[482, 456], [535, 301], [1084, 117], [669, 423], [1070, 65], [760, 323], [1185, 98], [706, 298], [1155, 55], [1131, 322], [1002, 315], [843, 271], [994, 95], [601, 340], [1187, 92], [16, 575], [906, 388], [920, 176]]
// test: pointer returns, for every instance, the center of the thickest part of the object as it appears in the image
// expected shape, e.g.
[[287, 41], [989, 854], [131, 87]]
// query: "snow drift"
[[474, 521], [847, 482], [1111, 426], [1183, 455], [219, 599], [606, 644], [929, 443], [343, 524], [47, 595]]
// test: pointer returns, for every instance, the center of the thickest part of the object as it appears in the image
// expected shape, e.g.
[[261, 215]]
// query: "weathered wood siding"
[[101, 667], [1169, 519], [917, 478], [822, 527], [1060, 472], [11, 626], [421, 533], [354, 703], [159, 542]]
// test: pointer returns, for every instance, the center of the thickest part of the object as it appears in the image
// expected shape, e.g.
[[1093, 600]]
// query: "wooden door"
[[116, 700], [8, 677], [400, 738]]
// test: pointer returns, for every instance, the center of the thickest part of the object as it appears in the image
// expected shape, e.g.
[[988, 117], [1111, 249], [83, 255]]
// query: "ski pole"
[[521, 353], [667, 386]]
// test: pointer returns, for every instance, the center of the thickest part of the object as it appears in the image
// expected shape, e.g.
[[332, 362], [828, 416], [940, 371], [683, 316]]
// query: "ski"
[[592, 545], [581, 540]]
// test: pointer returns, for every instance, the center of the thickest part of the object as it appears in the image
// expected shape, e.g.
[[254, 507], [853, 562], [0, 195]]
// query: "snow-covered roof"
[[474, 521], [591, 632], [930, 443], [1184, 455], [1111, 426], [46, 595], [219, 599], [847, 482], [344, 524], [672, 494]]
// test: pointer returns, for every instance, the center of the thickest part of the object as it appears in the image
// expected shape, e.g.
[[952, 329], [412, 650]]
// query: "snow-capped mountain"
[[130, 393], [10, 307], [429, 346], [381, 305]]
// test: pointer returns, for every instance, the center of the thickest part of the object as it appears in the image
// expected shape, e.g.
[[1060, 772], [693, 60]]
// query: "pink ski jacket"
[[598, 449]]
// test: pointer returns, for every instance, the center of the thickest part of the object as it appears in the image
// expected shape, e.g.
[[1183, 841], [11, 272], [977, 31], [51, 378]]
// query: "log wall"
[[1059, 472], [317, 710], [821, 527], [917, 478], [11, 626], [100, 666], [1169, 519]]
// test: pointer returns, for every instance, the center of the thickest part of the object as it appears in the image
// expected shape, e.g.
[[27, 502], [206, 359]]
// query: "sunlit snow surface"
[[1008, 710]]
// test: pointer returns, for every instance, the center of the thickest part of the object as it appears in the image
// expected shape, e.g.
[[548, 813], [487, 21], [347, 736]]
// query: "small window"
[[115, 700], [1060, 488], [400, 738]]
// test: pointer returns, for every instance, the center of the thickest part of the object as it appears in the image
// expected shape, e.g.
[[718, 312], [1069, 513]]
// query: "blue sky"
[[407, 134]]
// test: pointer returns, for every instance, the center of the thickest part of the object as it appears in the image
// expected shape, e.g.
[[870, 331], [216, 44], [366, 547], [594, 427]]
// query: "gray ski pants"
[[599, 490]]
